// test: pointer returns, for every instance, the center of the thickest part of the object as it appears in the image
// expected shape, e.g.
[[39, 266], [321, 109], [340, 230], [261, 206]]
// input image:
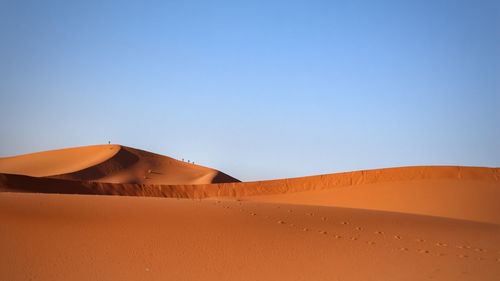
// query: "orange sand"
[[412, 223]]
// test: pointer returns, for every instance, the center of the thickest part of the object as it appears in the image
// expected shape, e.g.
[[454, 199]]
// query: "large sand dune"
[[110, 163], [409, 223]]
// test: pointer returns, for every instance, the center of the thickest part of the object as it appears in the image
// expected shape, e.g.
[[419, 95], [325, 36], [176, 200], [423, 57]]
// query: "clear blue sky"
[[258, 89]]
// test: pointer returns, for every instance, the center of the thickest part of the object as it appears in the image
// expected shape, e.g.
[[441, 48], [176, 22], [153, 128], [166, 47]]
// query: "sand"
[[111, 163], [411, 223]]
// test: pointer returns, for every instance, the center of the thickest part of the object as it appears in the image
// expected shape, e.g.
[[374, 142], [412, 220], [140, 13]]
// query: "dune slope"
[[473, 198], [60, 161], [111, 163]]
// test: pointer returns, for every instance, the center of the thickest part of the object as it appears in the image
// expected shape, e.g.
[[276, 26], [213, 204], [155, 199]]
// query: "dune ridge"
[[468, 192], [268, 187]]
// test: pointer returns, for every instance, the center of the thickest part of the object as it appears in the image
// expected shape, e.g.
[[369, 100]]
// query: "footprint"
[[379, 232], [281, 222], [354, 238], [253, 214], [323, 232], [305, 229], [422, 251], [397, 236], [359, 228], [338, 236], [403, 249], [439, 244], [344, 222], [323, 219], [462, 256], [420, 240], [479, 250], [371, 242]]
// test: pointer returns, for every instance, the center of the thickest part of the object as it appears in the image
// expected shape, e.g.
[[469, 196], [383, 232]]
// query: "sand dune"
[[409, 223], [452, 197], [111, 163], [467, 193]]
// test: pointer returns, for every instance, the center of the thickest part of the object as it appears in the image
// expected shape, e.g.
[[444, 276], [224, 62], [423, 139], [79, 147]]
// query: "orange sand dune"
[[111, 163], [74, 237], [467, 193]]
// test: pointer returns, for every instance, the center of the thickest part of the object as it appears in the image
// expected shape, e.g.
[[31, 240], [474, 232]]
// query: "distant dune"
[[111, 163], [407, 223]]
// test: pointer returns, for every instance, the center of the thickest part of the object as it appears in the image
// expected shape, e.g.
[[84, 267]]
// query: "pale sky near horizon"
[[257, 89]]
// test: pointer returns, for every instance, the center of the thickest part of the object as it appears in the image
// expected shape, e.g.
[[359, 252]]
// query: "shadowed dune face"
[[122, 160], [111, 163]]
